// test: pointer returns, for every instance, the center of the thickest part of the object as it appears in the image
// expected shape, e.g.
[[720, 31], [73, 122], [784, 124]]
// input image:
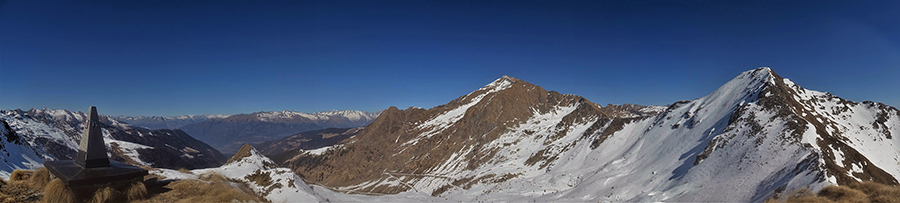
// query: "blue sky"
[[229, 57]]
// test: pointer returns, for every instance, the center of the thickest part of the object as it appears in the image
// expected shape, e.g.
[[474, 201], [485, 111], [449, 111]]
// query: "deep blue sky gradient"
[[229, 57]]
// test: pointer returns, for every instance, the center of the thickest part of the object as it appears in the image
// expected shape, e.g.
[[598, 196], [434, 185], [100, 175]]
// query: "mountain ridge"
[[165, 122], [511, 136], [229, 133]]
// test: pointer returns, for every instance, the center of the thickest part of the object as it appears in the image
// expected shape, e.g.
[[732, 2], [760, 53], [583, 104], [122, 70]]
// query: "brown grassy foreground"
[[210, 188], [37, 186], [865, 192]]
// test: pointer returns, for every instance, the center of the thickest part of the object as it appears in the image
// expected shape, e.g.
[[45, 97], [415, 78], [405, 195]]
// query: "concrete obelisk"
[[92, 168], [92, 150]]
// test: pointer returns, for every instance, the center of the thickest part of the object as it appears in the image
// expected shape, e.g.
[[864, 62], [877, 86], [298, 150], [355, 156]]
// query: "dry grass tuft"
[[56, 191], [808, 199], [17, 191], [857, 192], [210, 188], [4, 198], [37, 186], [198, 191], [879, 192], [18, 175], [184, 170], [136, 191], [106, 195], [39, 178], [19, 188], [843, 194]]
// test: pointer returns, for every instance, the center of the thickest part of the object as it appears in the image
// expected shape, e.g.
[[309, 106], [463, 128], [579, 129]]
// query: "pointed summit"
[[500, 84], [249, 155], [92, 150], [505, 79], [245, 151]]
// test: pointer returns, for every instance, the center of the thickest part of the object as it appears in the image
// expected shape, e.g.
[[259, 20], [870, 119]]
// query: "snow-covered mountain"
[[756, 136], [164, 122], [36, 135], [229, 133]]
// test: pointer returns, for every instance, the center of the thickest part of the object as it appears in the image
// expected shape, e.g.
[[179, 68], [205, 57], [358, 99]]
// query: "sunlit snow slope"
[[756, 136]]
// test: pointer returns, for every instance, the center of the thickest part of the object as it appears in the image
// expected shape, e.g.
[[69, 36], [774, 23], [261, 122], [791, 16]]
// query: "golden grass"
[[27, 186], [19, 175], [4, 198], [215, 191], [56, 191], [879, 192], [809, 199], [39, 178], [184, 170], [23, 186], [864, 192], [106, 195], [210, 188], [843, 194], [16, 192], [136, 191]]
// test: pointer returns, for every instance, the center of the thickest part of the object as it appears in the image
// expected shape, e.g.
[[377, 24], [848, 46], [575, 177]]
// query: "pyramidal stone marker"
[[92, 166], [91, 150]]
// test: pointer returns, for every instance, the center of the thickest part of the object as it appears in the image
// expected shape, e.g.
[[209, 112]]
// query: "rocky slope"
[[44, 134], [228, 134], [756, 136]]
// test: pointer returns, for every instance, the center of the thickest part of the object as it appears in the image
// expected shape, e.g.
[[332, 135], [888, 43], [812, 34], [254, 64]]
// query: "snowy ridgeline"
[[731, 145], [173, 122]]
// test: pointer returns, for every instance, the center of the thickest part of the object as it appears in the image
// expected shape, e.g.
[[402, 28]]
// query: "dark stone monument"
[[92, 166]]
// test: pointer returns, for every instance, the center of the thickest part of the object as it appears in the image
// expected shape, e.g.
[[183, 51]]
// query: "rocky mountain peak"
[[245, 151], [501, 82], [249, 155], [467, 129]]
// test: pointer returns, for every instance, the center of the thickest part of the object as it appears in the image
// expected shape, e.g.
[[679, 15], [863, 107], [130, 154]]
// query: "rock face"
[[45, 134], [229, 133], [757, 135]]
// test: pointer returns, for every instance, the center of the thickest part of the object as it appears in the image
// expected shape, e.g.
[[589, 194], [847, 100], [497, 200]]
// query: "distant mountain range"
[[757, 136], [165, 122], [228, 133], [31, 137]]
